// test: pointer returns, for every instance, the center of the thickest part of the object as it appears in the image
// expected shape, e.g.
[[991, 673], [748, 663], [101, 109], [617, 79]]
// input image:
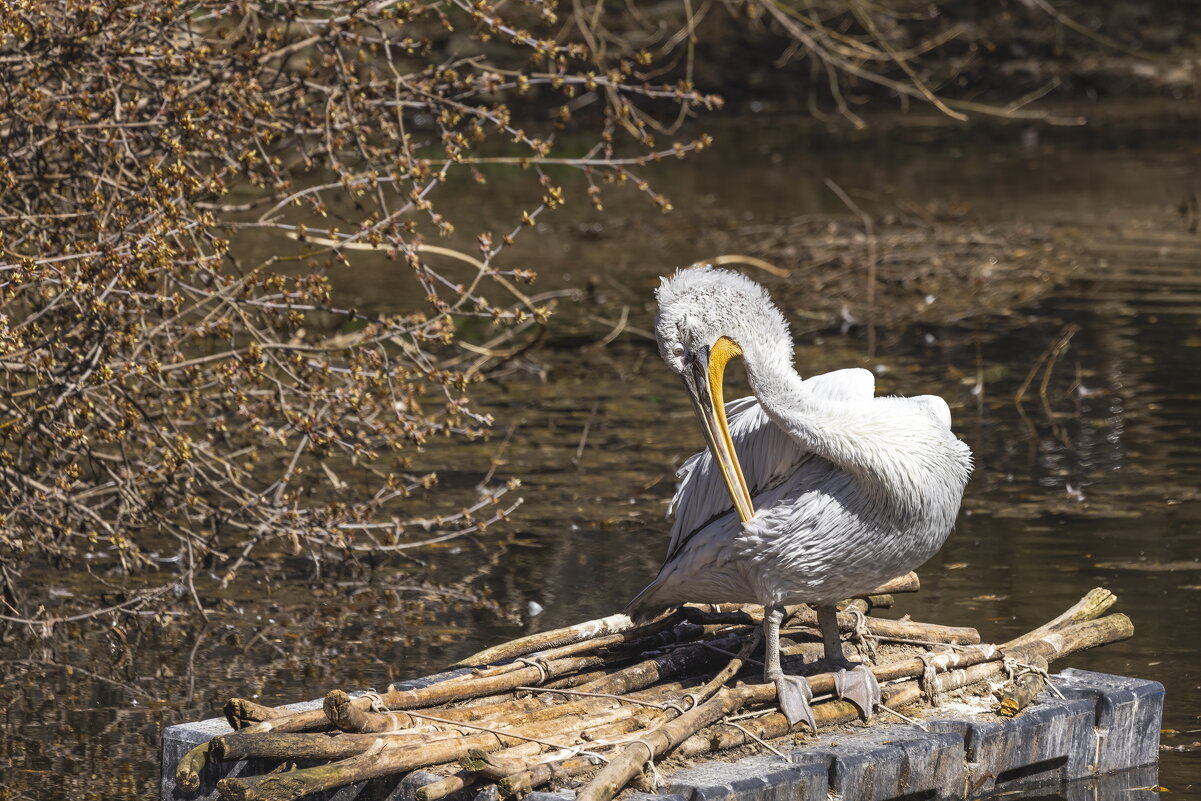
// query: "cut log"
[[241, 713], [1024, 689]]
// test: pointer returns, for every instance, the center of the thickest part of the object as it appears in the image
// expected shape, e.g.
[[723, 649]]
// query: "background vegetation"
[[171, 405]]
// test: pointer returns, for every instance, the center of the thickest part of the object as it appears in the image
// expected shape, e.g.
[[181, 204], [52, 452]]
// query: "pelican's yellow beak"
[[709, 402]]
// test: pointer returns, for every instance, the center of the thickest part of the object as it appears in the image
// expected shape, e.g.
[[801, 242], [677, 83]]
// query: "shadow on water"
[[1091, 480]]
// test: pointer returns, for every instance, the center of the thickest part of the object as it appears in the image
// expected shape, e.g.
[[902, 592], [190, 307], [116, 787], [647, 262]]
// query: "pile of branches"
[[166, 404], [552, 708]]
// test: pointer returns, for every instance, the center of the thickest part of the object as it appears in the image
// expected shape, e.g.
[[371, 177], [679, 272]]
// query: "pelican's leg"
[[857, 685], [792, 692]]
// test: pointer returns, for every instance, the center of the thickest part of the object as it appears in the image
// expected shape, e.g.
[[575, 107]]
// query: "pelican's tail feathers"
[[650, 603]]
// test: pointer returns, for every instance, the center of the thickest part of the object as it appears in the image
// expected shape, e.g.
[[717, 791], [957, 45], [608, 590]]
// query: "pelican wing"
[[767, 454]]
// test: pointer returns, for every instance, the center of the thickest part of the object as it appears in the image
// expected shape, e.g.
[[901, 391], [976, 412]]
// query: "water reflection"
[[1096, 487]]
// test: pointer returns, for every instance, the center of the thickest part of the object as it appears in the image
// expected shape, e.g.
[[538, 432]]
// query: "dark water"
[[1098, 487]]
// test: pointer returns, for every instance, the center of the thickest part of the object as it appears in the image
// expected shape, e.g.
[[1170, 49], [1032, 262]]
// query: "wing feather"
[[767, 454]]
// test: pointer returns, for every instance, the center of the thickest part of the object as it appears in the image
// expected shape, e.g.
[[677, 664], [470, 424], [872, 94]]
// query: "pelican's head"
[[706, 317]]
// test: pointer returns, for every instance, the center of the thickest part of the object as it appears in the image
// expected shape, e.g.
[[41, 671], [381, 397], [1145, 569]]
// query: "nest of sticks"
[[595, 704]]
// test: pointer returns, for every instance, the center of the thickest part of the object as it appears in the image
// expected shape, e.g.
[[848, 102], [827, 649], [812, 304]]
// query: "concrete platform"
[[1099, 742]]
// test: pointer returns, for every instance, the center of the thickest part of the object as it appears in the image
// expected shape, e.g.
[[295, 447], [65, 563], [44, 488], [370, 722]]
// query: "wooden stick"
[[273, 745], [1063, 636], [187, 772], [614, 624], [543, 698], [390, 759], [1074, 638], [578, 679], [448, 785], [526, 775], [615, 775], [525, 710], [571, 640], [398, 759], [1022, 692], [498, 765], [550, 639], [803, 615], [1094, 604], [678, 662], [355, 714], [546, 773], [645, 638], [885, 601], [895, 629], [520, 781], [240, 713], [906, 583]]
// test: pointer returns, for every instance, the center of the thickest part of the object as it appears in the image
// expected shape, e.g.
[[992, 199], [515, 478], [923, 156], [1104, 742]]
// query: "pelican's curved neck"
[[775, 383], [812, 421]]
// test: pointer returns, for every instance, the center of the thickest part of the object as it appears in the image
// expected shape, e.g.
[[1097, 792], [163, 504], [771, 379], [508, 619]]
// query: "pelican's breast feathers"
[[767, 454]]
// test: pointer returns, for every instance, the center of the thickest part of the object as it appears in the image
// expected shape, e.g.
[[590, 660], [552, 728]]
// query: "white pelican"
[[828, 490]]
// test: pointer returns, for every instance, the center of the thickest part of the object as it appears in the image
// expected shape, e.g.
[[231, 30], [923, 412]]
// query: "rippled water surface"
[[1093, 481]]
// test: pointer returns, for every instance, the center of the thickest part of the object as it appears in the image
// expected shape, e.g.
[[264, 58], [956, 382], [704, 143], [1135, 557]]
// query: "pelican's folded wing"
[[767, 454]]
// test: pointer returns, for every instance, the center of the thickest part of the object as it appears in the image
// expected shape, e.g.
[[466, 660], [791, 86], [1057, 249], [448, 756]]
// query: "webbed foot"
[[793, 695], [859, 686]]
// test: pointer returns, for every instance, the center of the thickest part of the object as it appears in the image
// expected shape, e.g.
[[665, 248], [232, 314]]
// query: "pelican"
[[811, 491]]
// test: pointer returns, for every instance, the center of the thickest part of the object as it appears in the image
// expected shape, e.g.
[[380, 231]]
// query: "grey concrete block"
[[1047, 744], [1127, 716], [755, 779], [891, 761]]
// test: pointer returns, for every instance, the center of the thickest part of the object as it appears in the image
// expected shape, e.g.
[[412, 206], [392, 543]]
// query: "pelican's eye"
[[679, 352]]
